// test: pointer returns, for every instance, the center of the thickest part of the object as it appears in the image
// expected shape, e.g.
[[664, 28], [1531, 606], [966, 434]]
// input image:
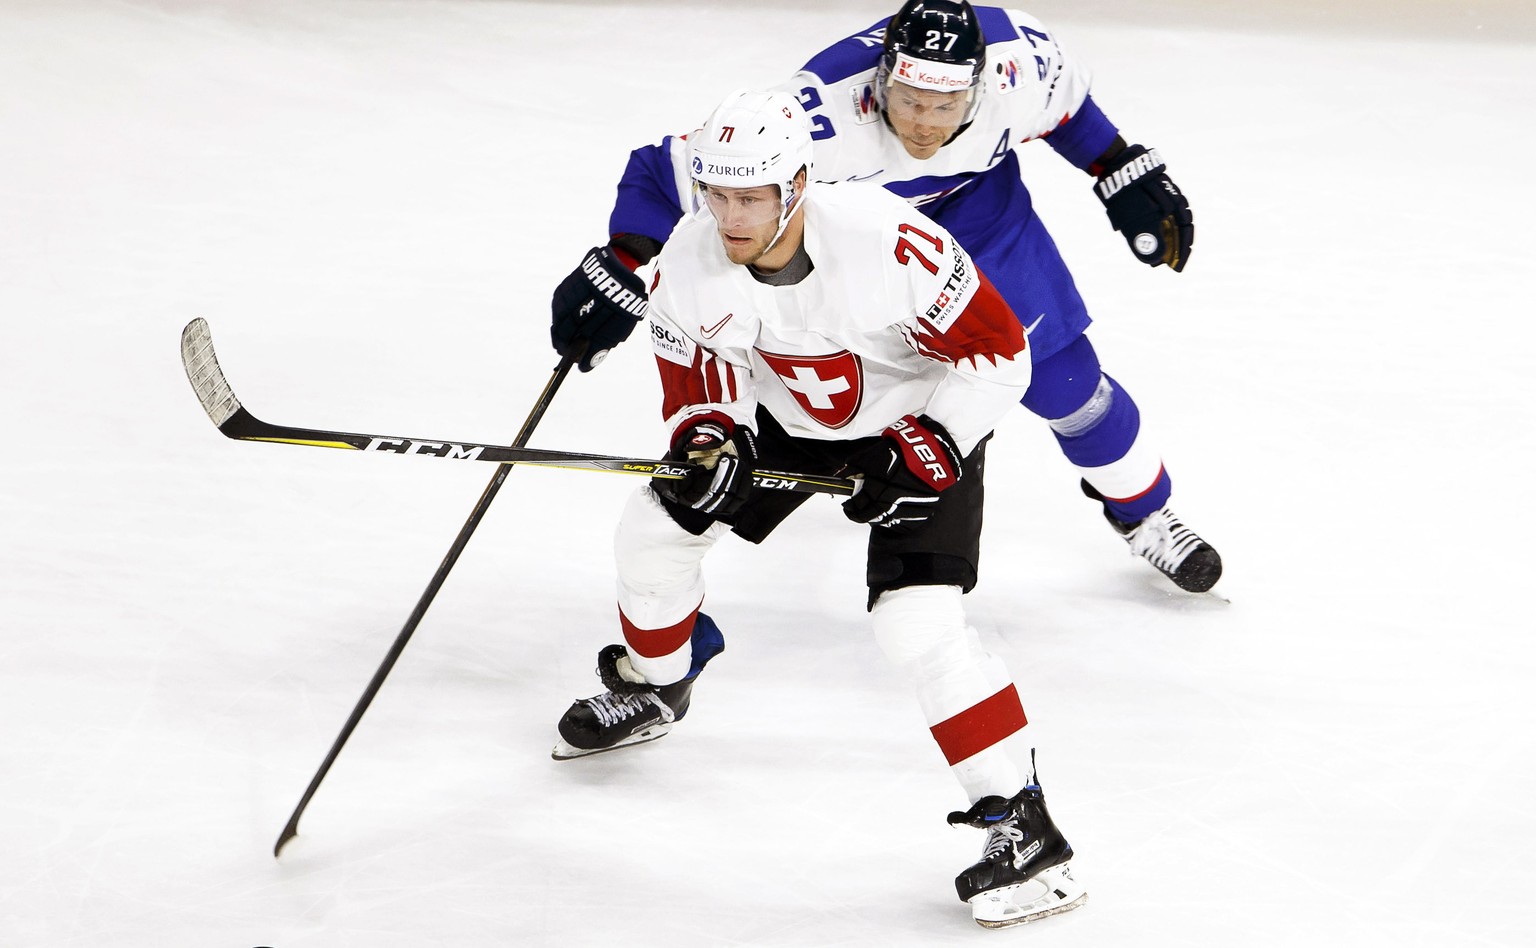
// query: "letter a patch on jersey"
[[829, 388]]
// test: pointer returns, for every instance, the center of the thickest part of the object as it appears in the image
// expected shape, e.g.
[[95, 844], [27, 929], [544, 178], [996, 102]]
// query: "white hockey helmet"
[[754, 139]]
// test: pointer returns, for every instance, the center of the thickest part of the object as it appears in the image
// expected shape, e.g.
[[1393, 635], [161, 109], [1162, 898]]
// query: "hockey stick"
[[232, 418], [291, 828]]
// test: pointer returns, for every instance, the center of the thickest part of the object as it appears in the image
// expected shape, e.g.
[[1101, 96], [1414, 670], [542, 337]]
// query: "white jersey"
[[893, 319]]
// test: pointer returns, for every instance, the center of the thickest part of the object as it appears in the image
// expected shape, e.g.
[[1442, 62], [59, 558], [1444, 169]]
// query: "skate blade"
[[1052, 892], [566, 751]]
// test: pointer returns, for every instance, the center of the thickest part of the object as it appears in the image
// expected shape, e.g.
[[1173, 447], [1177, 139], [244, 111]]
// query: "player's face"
[[747, 219], [922, 119]]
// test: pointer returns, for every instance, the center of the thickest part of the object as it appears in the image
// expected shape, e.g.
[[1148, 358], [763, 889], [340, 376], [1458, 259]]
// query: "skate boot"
[[1163, 540], [631, 711], [1025, 870]]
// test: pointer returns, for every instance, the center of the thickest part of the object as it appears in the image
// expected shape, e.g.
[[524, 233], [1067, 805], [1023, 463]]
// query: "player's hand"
[[1147, 208], [726, 459], [904, 472], [595, 308]]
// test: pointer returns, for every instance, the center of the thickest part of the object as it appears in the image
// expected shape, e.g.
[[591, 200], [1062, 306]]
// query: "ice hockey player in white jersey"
[[933, 106], [831, 329]]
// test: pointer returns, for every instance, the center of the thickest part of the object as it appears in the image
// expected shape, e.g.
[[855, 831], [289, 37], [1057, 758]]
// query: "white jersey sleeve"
[[956, 318], [700, 377]]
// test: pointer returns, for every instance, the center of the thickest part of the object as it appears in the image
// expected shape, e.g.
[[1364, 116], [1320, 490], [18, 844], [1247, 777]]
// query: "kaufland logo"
[[941, 77]]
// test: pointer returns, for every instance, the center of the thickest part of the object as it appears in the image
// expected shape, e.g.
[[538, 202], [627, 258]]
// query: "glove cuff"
[[634, 250], [722, 423]]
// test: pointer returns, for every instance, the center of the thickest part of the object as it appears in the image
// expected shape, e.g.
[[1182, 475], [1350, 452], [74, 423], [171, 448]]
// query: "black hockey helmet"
[[936, 45]]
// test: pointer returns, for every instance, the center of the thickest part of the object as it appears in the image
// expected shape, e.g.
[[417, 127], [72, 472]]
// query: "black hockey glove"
[[723, 482], [904, 473], [595, 308], [1147, 208]]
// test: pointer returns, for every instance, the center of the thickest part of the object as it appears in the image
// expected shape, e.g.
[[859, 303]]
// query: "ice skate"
[[631, 711], [1025, 869], [1163, 540]]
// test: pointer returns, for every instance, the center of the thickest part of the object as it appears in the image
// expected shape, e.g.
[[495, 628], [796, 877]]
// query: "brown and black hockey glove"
[[1147, 208]]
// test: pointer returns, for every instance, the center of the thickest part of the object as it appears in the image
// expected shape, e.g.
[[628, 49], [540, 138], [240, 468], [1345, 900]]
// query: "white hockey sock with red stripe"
[[660, 586], [966, 692]]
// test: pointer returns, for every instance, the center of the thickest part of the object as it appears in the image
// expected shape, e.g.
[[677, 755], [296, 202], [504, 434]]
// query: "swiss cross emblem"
[[829, 388]]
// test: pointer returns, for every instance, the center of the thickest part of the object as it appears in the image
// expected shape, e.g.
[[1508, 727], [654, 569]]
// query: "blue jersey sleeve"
[[648, 202], [849, 56], [1084, 136]]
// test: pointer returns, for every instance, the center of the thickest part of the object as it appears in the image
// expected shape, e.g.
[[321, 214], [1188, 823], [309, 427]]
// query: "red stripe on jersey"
[[980, 726], [712, 385], [985, 329], [681, 386], [654, 643]]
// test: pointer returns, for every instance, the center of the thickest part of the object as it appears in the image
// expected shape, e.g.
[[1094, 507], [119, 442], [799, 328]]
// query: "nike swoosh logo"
[[710, 331], [1027, 329], [864, 177]]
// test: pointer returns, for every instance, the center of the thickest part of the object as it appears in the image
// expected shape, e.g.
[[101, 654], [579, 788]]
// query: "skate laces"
[[1002, 838], [611, 708], [1163, 540], [999, 818]]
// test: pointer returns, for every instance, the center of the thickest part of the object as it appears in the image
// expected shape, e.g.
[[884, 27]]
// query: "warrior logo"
[[829, 388]]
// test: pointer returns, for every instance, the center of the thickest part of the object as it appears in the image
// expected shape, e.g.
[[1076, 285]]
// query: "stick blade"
[[289, 832], [202, 367]]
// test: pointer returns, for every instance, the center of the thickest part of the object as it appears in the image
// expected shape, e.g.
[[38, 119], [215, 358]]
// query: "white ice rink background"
[[371, 201]]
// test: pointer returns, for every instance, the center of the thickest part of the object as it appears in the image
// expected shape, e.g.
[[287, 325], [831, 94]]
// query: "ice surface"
[[371, 202]]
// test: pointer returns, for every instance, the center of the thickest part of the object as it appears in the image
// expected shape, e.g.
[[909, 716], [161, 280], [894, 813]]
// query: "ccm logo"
[[773, 483], [437, 449]]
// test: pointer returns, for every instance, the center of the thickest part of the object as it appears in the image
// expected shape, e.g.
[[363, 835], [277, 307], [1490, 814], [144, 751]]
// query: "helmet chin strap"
[[786, 216]]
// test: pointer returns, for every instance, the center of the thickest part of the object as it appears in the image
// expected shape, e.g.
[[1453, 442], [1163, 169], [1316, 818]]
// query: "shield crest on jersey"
[[829, 388]]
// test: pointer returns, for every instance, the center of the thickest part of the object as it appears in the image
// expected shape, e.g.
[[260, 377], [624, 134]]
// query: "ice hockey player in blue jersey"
[[933, 105]]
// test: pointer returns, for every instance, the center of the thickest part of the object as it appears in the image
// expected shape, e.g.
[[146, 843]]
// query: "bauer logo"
[[437, 449]]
